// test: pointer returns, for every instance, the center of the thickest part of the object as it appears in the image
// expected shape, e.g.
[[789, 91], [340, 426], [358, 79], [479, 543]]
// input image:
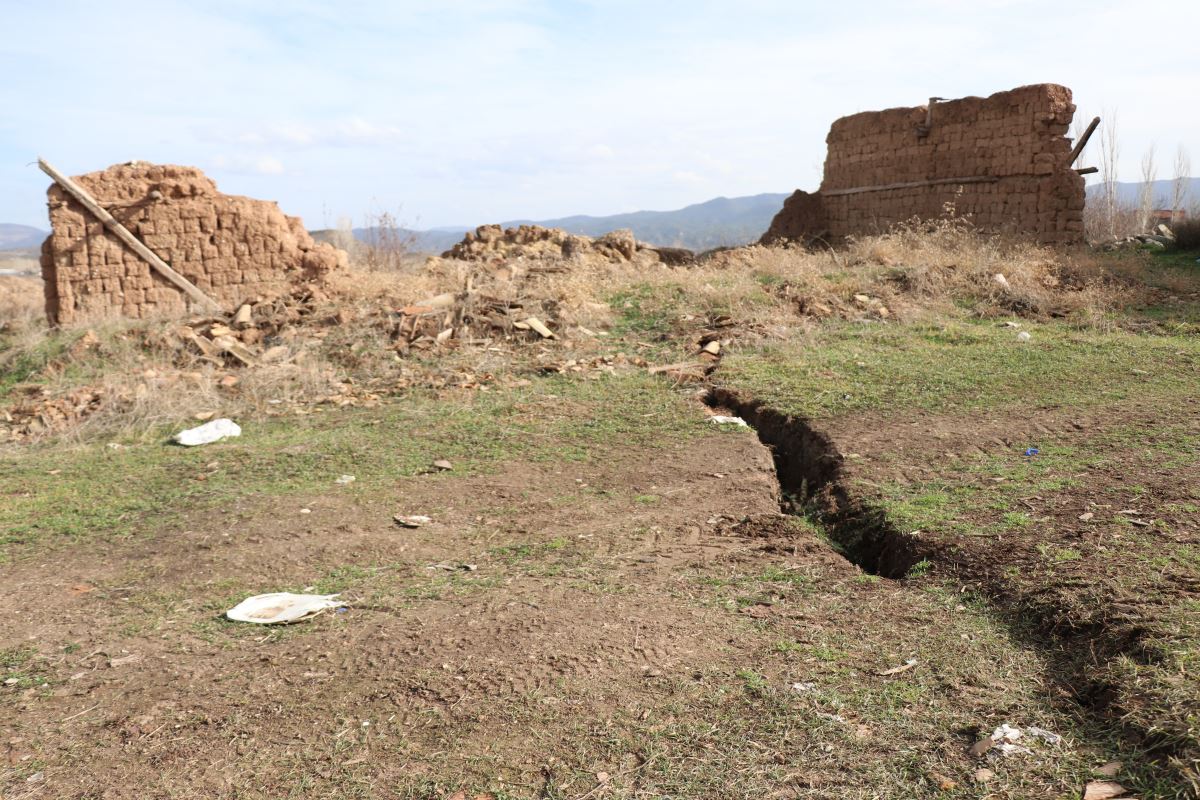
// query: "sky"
[[462, 112]]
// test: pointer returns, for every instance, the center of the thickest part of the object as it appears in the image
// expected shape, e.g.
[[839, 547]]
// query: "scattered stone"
[[905, 667], [981, 747], [443, 465], [411, 520], [243, 318], [1110, 770], [1102, 790], [941, 781]]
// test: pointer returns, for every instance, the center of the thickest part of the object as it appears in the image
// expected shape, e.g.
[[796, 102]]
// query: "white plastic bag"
[[269, 609], [208, 433]]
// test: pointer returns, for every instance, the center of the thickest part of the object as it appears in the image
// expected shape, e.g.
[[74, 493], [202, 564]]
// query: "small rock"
[[243, 318], [981, 747], [1086, 516], [1110, 770], [443, 465], [983, 775], [943, 783], [36, 777], [1000, 279], [1102, 790], [411, 520], [11, 681]]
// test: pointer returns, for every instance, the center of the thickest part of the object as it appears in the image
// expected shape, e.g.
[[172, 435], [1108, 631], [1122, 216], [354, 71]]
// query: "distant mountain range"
[[719, 222], [20, 237], [1129, 193], [722, 221]]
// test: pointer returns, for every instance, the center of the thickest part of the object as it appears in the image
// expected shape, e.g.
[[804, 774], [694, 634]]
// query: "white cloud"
[[470, 110], [247, 164]]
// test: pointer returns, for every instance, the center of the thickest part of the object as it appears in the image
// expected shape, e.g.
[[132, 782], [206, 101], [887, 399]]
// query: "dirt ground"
[[646, 625], [609, 601]]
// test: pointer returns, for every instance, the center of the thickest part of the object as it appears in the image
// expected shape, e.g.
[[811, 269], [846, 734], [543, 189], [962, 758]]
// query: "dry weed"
[[347, 351]]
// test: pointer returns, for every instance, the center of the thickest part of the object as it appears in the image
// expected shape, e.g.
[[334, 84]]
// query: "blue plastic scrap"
[[1031, 451]]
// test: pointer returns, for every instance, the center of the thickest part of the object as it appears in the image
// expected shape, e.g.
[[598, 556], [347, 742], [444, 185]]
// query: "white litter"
[[412, 520], [208, 433], [1000, 279], [1007, 736], [803, 686], [1046, 736], [1024, 336], [270, 609], [721, 420], [344, 479]]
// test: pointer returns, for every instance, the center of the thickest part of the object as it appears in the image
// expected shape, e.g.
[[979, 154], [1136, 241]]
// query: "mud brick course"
[[1012, 143], [235, 249]]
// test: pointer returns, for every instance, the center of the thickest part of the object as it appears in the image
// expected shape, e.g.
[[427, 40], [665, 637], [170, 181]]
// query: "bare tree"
[[1183, 168], [1146, 191], [1110, 151]]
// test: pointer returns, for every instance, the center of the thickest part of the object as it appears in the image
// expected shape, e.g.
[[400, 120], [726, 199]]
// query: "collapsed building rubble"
[[490, 242], [1003, 162], [232, 249]]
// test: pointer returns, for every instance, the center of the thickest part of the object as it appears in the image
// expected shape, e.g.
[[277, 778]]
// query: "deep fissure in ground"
[[809, 470], [808, 467]]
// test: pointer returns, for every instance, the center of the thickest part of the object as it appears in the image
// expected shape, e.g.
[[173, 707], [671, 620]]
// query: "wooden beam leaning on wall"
[[1083, 140], [122, 233]]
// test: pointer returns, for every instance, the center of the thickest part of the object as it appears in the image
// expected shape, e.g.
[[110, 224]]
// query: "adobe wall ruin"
[[234, 249], [1000, 160]]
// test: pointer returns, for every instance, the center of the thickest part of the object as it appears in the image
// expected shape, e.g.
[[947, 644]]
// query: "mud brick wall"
[[235, 249], [1010, 147]]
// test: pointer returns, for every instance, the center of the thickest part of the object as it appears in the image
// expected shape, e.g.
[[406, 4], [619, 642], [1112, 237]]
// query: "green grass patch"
[[57, 493], [848, 368]]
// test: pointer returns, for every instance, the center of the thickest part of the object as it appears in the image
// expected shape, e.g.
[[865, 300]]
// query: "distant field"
[[19, 261]]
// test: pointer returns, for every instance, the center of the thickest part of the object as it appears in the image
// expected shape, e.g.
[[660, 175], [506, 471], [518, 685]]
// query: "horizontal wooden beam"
[[122, 233], [910, 185]]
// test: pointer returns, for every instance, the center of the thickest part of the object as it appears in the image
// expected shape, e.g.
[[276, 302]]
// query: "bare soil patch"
[[642, 625]]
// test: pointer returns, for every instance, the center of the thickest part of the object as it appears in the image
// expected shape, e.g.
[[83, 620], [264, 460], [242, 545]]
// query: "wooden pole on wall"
[[122, 233], [1083, 140]]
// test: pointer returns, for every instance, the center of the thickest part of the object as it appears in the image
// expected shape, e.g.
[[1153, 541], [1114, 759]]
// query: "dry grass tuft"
[[132, 378]]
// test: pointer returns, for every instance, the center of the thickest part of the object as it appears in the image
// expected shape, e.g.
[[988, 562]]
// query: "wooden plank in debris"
[[910, 185], [122, 233], [540, 327]]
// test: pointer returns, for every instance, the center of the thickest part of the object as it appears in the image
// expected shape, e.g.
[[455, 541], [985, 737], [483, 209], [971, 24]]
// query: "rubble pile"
[[521, 298], [533, 242]]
